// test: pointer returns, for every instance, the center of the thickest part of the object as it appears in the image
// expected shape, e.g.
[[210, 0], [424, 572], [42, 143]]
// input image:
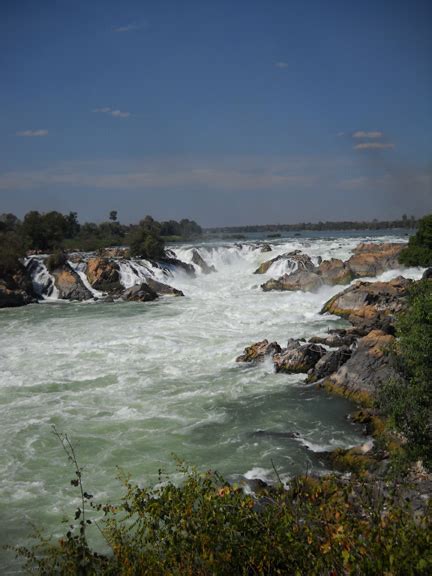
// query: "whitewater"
[[134, 383]]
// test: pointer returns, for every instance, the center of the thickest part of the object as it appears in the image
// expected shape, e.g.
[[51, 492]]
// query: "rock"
[[295, 261], [199, 261], [335, 271], [258, 351], [299, 280], [298, 358], [16, 287], [269, 434], [369, 367], [114, 252], [104, 275], [139, 293], [427, 274], [69, 284], [340, 338], [329, 363], [164, 289], [370, 304], [265, 247], [370, 259], [175, 263]]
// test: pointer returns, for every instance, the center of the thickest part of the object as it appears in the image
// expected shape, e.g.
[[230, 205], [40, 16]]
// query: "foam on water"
[[132, 383]]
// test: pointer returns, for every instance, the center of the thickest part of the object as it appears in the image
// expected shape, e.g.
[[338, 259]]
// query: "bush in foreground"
[[419, 249]]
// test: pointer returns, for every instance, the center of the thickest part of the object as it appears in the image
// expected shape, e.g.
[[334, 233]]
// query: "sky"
[[225, 112]]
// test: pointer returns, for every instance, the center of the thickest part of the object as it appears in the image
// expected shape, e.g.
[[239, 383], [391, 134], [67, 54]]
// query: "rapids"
[[133, 383]]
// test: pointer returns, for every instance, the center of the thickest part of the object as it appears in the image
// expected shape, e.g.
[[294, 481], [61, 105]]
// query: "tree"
[[419, 250], [145, 242], [113, 215]]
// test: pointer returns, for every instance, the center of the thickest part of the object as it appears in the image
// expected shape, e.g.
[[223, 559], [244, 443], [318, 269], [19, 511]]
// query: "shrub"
[[146, 244], [419, 249], [56, 260]]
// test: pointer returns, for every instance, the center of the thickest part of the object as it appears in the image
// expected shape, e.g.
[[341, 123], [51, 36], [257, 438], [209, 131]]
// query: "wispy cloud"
[[371, 134], [127, 28], [112, 112], [281, 64], [32, 133], [373, 146]]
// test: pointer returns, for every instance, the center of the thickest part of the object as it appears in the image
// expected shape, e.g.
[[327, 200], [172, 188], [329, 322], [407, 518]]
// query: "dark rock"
[[268, 433], [69, 284], [139, 293], [16, 287], [295, 260], [329, 363], [258, 351], [199, 261], [164, 289], [176, 264], [265, 247], [427, 274], [335, 340], [104, 274], [298, 359]]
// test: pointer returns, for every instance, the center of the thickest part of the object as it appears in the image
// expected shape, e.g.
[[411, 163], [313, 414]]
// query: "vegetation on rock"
[[419, 249]]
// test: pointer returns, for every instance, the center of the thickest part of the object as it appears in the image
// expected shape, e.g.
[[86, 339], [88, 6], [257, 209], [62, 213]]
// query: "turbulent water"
[[132, 383]]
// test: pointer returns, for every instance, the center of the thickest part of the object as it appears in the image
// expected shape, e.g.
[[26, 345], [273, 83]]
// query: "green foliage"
[[145, 241], [419, 249], [207, 527], [12, 249], [55, 260], [408, 401]]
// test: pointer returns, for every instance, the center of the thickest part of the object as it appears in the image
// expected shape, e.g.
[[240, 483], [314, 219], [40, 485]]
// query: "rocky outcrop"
[[334, 272], [299, 280], [69, 284], [370, 259], [427, 274], [139, 293], [175, 264], [369, 367], [329, 363], [295, 260], [163, 289], [298, 358], [16, 288], [114, 252], [104, 274], [370, 304], [265, 247], [259, 351], [201, 263], [338, 337]]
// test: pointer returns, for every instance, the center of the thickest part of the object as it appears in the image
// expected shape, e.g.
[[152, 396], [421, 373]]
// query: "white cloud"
[[32, 133], [112, 112], [373, 146], [281, 64], [371, 134], [127, 28]]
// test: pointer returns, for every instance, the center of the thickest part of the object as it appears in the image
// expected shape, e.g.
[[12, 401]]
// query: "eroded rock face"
[[265, 247], [329, 363], [334, 272], [371, 304], [259, 351], [139, 293], [299, 280], [16, 288], [298, 358], [369, 366], [174, 263], [104, 275], [370, 259], [69, 284], [161, 288], [296, 260], [201, 263]]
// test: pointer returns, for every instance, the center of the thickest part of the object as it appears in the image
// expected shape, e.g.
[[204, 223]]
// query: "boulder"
[[265, 247], [298, 358], [369, 366], [139, 293], [295, 260], [164, 289], [329, 363], [299, 280], [114, 252], [201, 263], [370, 259], [104, 274], [16, 287], [337, 338], [69, 284], [257, 352], [370, 304], [427, 274], [176, 264], [334, 272]]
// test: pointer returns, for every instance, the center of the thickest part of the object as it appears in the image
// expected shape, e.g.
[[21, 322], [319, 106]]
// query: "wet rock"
[[176, 264], [270, 434], [427, 274], [370, 304], [295, 260], [67, 281], [163, 289], [369, 366], [298, 358], [201, 263], [16, 287], [104, 274], [265, 247], [336, 340], [299, 280], [329, 363], [259, 351], [334, 272], [139, 293], [370, 259]]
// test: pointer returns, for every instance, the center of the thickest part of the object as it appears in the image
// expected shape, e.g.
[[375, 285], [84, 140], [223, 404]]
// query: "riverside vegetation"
[[365, 523]]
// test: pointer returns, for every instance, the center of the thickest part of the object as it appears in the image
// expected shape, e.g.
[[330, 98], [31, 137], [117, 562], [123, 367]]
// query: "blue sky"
[[224, 112]]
